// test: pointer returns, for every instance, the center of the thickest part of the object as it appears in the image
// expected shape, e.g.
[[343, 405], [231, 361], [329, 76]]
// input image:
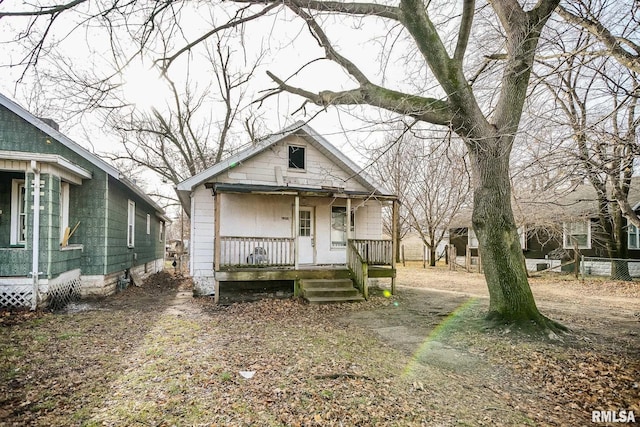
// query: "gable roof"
[[299, 128], [78, 149]]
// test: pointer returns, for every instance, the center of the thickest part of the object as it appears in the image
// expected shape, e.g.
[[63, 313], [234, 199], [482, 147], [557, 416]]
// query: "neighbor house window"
[[18, 212], [296, 157], [634, 237], [472, 239], [161, 232], [339, 226], [522, 232], [576, 232], [64, 210], [148, 224], [131, 223]]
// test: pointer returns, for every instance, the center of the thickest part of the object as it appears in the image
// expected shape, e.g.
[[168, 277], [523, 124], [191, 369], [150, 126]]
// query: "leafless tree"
[[447, 98], [430, 176], [594, 100]]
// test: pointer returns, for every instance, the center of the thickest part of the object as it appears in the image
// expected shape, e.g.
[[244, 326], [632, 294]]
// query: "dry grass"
[[155, 356]]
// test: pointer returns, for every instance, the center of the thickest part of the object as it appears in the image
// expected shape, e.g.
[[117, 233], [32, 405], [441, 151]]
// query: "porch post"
[[216, 246], [394, 242], [296, 230], [349, 236], [35, 264]]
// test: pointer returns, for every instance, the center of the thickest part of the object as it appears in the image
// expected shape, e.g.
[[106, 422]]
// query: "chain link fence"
[[613, 268]]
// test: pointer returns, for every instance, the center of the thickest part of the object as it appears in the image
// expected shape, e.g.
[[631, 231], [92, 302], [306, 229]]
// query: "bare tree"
[[430, 176], [487, 127], [613, 23], [439, 190], [594, 98]]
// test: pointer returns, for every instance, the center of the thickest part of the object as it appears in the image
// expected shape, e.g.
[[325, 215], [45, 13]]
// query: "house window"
[[339, 226], [305, 223], [161, 232], [576, 232], [472, 239], [131, 223], [634, 237], [522, 231], [296, 157], [18, 212], [64, 210], [148, 224]]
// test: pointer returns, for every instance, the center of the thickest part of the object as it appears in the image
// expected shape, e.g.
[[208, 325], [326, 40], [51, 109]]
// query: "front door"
[[306, 240]]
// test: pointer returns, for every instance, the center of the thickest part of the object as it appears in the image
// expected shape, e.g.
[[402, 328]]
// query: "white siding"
[[247, 215], [261, 169], [202, 231]]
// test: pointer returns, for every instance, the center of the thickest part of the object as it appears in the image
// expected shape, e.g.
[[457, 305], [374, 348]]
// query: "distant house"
[[549, 238], [70, 224], [290, 208]]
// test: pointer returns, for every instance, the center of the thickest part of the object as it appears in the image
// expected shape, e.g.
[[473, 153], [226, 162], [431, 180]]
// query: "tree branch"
[[429, 110], [613, 43]]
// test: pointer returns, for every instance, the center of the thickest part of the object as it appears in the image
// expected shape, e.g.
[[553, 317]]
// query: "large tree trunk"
[[511, 299]]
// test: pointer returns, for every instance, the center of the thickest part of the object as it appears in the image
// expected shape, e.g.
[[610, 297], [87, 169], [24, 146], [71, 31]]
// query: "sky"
[[289, 45]]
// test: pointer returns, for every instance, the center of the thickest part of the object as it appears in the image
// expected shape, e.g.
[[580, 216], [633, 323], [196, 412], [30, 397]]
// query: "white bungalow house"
[[278, 211]]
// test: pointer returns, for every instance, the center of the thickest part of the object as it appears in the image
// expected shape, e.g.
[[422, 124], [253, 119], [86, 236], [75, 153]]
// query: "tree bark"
[[511, 299]]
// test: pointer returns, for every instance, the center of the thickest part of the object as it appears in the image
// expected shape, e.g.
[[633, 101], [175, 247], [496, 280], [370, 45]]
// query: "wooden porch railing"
[[374, 252], [256, 251], [359, 268]]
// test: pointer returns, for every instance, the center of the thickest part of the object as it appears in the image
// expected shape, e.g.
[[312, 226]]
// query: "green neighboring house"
[[86, 231]]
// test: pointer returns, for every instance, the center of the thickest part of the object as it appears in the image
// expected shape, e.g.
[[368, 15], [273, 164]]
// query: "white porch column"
[[296, 230], [35, 265], [216, 246], [349, 236]]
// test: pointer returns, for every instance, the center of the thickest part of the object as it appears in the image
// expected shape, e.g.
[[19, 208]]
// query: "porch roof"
[[59, 161], [302, 191]]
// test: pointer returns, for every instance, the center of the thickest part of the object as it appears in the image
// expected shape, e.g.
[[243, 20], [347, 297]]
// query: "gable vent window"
[[296, 157]]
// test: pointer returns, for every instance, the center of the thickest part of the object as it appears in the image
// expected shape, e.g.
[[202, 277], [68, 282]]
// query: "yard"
[[153, 355]]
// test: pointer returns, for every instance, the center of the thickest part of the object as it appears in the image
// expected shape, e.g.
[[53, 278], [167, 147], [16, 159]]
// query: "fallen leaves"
[[146, 357]]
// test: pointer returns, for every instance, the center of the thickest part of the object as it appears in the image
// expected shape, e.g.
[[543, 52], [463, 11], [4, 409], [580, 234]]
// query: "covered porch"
[[37, 265], [300, 235]]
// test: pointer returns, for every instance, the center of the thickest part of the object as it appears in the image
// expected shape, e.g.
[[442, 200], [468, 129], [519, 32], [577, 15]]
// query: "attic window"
[[296, 157]]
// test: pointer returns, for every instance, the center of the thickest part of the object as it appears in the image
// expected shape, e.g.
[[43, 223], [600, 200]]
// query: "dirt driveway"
[[153, 355]]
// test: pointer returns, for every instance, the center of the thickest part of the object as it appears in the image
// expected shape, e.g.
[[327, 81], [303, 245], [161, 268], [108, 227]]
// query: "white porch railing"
[[374, 252], [359, 269], [256, 251]]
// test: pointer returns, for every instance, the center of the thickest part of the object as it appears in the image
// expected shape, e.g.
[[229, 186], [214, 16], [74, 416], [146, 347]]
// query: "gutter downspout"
[[35, 266]]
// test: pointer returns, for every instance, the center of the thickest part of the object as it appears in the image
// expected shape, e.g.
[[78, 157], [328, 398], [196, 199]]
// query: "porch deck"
[[339, 271], [255, 259]]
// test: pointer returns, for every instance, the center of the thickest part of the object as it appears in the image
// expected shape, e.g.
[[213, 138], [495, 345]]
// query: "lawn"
[[153, 355]]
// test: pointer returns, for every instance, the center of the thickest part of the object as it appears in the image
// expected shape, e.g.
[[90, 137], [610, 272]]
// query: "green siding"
[[99, 205], [146, 246]]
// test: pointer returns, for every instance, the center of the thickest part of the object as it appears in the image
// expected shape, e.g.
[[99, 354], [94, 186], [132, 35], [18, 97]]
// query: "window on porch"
[[305, 223], [339, 226], [18, 212], [64, 209]]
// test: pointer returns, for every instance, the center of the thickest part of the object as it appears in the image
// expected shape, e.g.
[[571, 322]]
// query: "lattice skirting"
[[54, 293], [62, 293], [15, 296]]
